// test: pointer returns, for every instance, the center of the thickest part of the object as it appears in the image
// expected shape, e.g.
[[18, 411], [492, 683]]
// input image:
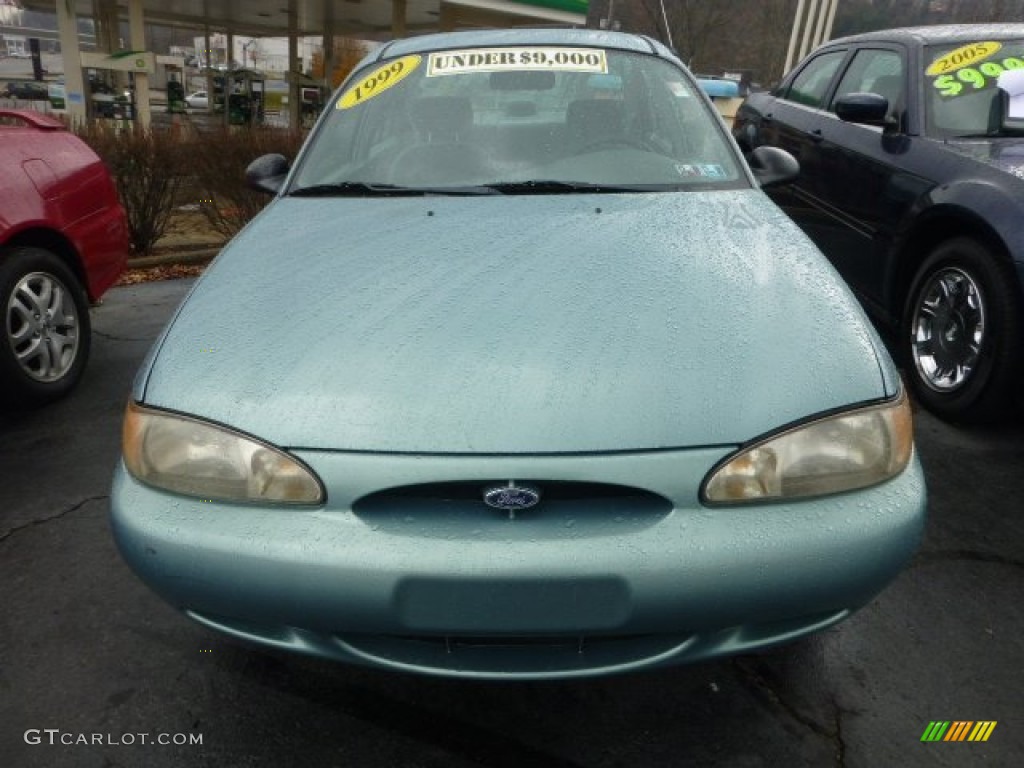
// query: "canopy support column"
[[74, 83], [137, 33], [294, 86], [398, 18], [328, 46]]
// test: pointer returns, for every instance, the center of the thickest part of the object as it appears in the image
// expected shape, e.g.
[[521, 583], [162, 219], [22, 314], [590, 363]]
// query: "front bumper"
[[568, 588]]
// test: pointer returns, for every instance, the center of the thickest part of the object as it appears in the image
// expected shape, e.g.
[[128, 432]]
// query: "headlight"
[[182, 454], [838, 453]]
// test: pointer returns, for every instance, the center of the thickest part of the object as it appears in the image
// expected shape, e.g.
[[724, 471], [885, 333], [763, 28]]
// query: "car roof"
[[524, 36], [938, 34]]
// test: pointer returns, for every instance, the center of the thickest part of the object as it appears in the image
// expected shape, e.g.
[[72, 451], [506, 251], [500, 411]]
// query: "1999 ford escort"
[[519, 375]]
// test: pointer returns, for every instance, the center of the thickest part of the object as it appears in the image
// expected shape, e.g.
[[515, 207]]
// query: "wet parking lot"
[[95, 670]]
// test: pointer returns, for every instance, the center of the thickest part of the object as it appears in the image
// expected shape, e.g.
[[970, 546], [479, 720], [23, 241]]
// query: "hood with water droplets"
[[517, 324]]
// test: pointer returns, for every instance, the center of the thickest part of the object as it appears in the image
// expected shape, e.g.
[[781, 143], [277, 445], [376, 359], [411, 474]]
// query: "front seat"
[[890, 86], [592, 122], [444, 153]]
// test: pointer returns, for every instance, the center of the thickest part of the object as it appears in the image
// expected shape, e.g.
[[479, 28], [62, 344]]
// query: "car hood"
[[518, 324], [1005, 154]]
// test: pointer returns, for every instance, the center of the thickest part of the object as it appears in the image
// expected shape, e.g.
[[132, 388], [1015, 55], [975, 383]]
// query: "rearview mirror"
[[1010, 97], [529, 80]]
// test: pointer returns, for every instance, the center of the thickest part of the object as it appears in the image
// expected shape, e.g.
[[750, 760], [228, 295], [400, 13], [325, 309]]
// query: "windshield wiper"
[[368, 189], [552, 187], [996, 134]]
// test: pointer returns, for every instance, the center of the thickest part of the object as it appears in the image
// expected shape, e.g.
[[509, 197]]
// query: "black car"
[[26, 91], [912, 183]]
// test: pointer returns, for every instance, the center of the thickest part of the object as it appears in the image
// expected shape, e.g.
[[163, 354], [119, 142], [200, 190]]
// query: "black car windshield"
[[963, 96], [519, 120]]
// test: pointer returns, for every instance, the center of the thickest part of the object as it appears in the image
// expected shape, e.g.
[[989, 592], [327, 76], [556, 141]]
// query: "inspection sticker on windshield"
[[702, 170], [378, 81], [501, 59]]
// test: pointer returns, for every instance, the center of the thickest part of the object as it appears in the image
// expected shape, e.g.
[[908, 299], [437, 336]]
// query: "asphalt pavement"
[[95, 670]]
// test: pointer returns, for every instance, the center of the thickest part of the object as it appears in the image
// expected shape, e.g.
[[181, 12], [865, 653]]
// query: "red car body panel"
[[52, 183]]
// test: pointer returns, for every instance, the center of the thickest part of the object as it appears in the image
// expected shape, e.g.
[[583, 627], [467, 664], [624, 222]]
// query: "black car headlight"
[[842, 452], [196, 458]]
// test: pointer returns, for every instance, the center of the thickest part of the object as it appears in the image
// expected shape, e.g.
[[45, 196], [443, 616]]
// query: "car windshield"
[[961, 83], [519, 120]]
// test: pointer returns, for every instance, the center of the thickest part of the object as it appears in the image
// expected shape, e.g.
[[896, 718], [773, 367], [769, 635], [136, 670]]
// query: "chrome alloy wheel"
[[42, 326], [948, 330]]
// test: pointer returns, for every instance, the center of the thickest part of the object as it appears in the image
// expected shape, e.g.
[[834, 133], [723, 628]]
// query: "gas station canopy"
[[372, 19], [366, 19]]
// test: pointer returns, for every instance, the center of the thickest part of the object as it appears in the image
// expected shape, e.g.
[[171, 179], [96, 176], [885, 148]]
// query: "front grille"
[[554, 494], [578, 643]]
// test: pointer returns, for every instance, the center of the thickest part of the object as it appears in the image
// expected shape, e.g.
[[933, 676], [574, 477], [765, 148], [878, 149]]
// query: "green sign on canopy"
[[572, 6]]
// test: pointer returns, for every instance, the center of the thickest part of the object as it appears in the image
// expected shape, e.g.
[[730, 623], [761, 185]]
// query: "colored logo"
[[511, 497], [958, 730]]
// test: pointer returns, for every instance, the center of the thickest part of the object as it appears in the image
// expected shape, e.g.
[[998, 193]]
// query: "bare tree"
[[866, 15], [696, 25], [767, 26], [728, 35]]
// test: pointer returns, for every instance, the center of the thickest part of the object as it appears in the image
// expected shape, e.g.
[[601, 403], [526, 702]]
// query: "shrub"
[[145, 165], [217, 161]]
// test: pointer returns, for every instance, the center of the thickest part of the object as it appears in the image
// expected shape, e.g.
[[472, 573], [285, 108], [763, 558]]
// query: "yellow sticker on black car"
[[979, 76], [502, 59], [378, 81], [962, 57]]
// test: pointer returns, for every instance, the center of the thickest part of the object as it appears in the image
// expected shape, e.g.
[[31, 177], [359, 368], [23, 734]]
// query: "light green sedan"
[[519, 375]]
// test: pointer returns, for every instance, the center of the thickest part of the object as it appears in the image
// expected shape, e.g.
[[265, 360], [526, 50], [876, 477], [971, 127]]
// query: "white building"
[[266, 54]]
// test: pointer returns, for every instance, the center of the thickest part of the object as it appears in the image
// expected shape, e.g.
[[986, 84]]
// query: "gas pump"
[[175, 97], [110, 83], [175, 69], [245, 98]]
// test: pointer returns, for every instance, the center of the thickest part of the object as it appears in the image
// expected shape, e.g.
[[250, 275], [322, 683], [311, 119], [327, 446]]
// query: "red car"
[[63, 243]]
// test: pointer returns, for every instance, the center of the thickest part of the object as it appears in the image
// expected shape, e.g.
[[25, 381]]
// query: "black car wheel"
[[44, 338], [961, 331]]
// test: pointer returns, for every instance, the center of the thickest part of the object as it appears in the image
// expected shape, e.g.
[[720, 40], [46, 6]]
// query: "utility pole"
[[609, 21], [668, 29]]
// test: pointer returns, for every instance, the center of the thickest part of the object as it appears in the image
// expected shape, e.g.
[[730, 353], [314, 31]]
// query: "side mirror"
[[865, 108], [773, 166], [267, 173]]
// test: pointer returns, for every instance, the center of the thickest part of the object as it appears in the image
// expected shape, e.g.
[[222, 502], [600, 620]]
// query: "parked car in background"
[[912, 183], [198, 100], [107, 102], [63, 243], [56, 93], [562, 397], [26, 90]]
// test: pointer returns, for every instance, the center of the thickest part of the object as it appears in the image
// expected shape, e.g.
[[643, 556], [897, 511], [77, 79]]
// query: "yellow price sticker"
[[378, 81], [962, 57]]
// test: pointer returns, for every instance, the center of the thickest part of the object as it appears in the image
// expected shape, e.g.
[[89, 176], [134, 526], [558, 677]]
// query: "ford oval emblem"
[[511, 497]]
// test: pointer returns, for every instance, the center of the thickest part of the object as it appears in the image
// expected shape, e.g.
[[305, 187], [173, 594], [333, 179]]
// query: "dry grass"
[[166, 272]]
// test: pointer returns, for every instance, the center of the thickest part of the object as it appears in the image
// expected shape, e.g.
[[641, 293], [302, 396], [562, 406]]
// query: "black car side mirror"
[[864, 108], [773, 166], [267, 173]]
